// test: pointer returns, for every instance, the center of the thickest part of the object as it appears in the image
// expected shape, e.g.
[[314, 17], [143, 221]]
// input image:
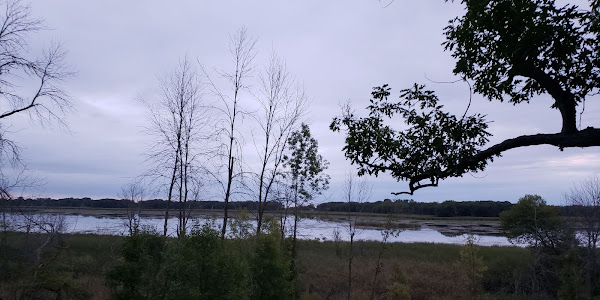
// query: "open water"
[[307, 229]]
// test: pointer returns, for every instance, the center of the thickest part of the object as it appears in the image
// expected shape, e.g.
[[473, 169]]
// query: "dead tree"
[[242, 50], [46, 103], [354, 192], [282, 104], [179, 126], [585, 197], [133, 193]]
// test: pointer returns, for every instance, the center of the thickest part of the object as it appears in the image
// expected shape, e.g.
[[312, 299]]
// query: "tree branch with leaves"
[[513, 51]]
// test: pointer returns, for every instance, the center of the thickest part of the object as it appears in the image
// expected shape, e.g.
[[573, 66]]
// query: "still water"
[[323, 230]]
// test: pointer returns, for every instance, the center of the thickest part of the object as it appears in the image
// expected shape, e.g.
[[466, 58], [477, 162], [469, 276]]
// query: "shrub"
[[201, 266], [270, 267], [137, 276]]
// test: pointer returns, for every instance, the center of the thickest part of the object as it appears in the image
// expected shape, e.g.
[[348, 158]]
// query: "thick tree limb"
[[588, 137]]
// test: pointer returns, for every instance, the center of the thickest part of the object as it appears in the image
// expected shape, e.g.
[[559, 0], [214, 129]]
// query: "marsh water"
[[321, 228]]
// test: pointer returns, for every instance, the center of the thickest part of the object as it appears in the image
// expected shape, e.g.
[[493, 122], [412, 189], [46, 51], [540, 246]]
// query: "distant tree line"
[[127, 204], [449, 208], [443, 209]]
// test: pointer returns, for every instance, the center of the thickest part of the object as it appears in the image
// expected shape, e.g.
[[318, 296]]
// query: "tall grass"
[[78, 263]]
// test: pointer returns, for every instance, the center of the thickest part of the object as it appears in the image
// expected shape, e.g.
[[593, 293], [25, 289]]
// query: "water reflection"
[[324, 230]]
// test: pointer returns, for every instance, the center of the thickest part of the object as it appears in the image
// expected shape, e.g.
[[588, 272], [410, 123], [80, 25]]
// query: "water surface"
[[313, 228]]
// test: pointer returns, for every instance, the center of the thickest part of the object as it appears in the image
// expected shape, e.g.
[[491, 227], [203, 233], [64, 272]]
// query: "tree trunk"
[[262, 199], [169, 197], [227, 194], [350, 258]]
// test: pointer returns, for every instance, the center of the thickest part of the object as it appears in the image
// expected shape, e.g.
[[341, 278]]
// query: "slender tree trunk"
[[262, 198], [283, 220], [180, 229], [185, 184], [169, 197], [230, 166], [294, 240], [378, 266], [227, 195], [295, 222], [350, 258], [260, 209], [174, 176], [242, 49]]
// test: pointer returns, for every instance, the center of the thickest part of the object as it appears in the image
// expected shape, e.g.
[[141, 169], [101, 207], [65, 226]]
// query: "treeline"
[[146, 204], [443, 209], [411, 207]]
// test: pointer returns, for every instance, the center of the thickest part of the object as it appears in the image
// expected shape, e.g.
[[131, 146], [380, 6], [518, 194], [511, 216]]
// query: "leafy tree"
[[305, 172], [512, 51], [532, 221], [472, 263]]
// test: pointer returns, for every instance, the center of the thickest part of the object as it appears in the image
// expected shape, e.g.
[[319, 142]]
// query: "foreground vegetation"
[[200, 266]]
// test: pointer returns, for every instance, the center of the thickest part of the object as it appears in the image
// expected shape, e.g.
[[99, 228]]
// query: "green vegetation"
[[559, 261], [200, 266]]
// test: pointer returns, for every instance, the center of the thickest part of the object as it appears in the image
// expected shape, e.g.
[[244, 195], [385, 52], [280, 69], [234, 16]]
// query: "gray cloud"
[[338, 49]]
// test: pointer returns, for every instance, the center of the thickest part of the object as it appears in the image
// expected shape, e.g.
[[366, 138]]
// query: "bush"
[[399, 287], [270, 267], [201, 266], [137, 276]]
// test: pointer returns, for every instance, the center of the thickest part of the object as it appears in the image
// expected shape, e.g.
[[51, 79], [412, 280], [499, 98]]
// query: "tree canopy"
[[532, 221], [511, 51], [305, 166]]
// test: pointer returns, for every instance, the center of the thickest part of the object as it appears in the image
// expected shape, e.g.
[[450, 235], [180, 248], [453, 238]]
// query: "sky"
[[338, 50]]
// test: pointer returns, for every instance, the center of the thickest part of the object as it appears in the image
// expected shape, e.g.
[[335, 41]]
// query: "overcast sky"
[[338, 50]]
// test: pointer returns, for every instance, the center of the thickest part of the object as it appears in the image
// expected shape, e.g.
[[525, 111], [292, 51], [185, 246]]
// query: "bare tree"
[[180, 124], [51, 227], [133, 193], [242, 50], [354, 192], [585, 196], [28, 85], [388, 232], [282, 104], [283, 195]]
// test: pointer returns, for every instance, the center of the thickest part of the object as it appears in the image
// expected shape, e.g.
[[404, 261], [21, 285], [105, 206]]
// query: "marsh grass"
[[430, 270], [77, 266]]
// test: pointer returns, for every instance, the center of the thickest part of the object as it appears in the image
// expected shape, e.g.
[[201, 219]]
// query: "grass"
[[430, 269], [76, 266]]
